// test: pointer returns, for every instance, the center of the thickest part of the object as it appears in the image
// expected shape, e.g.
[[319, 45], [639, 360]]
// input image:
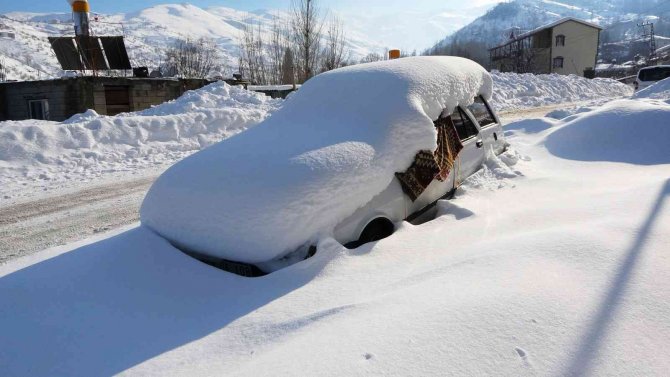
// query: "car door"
[[490, 128], [472, 156]]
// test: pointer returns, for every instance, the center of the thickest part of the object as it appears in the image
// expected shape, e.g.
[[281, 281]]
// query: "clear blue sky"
[[113, 6]]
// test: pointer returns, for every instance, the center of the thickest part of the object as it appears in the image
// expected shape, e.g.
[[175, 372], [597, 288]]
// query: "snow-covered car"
[[650, 75], [354, 151]]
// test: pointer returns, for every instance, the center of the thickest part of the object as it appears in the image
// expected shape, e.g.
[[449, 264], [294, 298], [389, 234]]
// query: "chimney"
[[80, 10]]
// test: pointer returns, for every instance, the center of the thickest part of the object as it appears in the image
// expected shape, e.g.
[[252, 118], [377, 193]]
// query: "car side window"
[[464, 126], [482, 112]]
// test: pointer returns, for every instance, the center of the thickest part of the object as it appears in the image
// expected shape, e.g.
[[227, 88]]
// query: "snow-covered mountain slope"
[[148, 33], [618, 17]]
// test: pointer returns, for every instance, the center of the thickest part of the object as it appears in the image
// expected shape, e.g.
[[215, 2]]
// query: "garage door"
[[117, 99]]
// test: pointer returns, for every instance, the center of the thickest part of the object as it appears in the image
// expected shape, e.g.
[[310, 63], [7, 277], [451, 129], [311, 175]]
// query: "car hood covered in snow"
[[333, 146]]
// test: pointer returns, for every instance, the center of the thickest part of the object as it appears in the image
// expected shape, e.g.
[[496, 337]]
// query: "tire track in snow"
[[58, 220]]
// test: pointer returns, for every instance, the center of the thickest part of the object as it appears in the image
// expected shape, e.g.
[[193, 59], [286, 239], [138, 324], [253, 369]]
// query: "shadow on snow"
[[109, 306]]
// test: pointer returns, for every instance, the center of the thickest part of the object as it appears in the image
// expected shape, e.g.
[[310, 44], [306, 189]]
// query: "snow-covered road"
[[63, 218], [72, 214]]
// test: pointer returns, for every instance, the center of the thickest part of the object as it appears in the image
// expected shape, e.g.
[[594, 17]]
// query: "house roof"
[[549, 26]]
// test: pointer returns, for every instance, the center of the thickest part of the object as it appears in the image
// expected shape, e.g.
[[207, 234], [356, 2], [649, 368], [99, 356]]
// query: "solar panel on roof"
[[66, 53], [91, 53], [115, 50]]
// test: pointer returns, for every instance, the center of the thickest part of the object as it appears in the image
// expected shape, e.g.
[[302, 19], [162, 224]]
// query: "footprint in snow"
[[368, 356]]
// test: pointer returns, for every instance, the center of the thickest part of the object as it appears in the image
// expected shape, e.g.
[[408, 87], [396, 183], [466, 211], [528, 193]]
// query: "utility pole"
[[651, 60]]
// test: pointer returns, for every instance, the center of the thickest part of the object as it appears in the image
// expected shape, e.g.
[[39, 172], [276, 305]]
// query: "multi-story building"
[[567, 46]]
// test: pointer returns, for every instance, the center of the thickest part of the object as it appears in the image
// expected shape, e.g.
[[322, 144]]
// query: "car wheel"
[[378, 229]]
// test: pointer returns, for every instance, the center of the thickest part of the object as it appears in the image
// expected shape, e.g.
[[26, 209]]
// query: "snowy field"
[[38, 158], [551, 260]]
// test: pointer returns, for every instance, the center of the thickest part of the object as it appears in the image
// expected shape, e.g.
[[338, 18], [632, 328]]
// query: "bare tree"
[[288, 68], [192, 59], [372, 57], [3, 70], [252, 59], [280, 42], [307, 25], [335, 50]]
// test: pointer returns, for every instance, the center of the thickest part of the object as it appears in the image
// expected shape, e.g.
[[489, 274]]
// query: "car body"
[[326, 164], [650, 75]]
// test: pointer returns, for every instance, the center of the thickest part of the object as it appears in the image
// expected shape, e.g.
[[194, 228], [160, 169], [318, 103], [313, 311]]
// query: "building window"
[[558, 62], [560, 40], [39, 109]]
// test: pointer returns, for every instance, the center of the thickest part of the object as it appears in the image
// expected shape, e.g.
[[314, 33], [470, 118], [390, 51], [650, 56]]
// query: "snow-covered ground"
[[41, 155], [38, 157], [551, 260]]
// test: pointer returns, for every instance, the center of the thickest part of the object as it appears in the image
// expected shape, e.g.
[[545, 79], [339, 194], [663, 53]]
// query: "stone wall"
[[70, 96], [66, 98]]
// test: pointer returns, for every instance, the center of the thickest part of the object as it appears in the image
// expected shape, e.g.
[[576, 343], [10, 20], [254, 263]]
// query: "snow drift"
[[660, 90], [518, 91], [629, 131], [88, 143], [561, 272], [332, 147]]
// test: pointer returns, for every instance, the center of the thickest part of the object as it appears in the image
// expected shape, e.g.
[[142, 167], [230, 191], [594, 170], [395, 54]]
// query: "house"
[[62, 98], [567, 46], [7, 34]]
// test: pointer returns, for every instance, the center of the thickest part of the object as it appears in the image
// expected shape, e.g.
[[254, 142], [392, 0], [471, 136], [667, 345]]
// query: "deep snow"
[[36, 158], [542, 265], [89, 146], [519, 91], [660, 90], [333, 146]]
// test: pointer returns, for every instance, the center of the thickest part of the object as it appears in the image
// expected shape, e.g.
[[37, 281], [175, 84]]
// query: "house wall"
[[580, 50], [66, 97], [71, 96]]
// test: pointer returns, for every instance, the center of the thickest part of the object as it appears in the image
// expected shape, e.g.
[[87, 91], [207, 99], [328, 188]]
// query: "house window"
[[39, 109], [560, 40], [558, 62]]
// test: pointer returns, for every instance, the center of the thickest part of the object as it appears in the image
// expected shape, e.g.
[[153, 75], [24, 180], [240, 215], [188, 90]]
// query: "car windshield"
[[654, 74]]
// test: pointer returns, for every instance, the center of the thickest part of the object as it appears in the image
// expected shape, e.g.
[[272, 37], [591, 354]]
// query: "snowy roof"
[[334, 145], [550, 26]]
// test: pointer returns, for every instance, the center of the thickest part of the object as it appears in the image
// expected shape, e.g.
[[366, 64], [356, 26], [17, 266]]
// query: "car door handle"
[[479, 143]]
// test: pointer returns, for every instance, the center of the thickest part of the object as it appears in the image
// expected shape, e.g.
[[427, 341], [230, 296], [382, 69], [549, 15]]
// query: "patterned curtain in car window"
[[428, 165]]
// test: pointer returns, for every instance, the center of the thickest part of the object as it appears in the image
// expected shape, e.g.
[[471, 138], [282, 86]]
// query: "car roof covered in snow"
[[333, 146]]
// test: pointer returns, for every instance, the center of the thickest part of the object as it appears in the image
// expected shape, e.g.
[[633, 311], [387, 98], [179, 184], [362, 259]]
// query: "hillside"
[[148, 32], [618, 17]]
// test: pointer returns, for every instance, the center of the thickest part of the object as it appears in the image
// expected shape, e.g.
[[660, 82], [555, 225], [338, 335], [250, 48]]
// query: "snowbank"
[[660, 90], [561, 272], [333, 146], [514, 91], [88, 144], [629, 131]]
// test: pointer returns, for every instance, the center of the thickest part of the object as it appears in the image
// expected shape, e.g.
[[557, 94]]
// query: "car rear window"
[[482, 112], [654, 74]]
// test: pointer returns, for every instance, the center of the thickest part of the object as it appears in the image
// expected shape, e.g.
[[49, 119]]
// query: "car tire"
[[377, 230]]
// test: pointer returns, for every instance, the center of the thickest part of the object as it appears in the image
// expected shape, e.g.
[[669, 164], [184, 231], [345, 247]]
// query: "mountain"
[[147, 33], [618, 17]]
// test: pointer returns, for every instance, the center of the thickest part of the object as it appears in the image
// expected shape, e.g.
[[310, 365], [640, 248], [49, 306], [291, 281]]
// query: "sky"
[[409, 25], [376, 6]]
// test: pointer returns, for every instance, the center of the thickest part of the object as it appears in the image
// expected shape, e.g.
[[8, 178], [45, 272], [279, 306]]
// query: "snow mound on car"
[[330, 149], [628, 131], [660, 90]]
